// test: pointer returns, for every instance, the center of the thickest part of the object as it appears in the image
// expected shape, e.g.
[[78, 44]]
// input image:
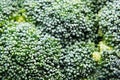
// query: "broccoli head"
[[109, 68], [109, 23], [77, 61], [25, 54], [66, 20]]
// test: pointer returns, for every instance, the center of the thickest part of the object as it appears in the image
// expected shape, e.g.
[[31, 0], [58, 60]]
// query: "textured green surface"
[[59, 39]]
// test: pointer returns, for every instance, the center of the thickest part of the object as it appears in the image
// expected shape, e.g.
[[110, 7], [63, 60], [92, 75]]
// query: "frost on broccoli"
[[25, 54], [109, 22], [77, 62]]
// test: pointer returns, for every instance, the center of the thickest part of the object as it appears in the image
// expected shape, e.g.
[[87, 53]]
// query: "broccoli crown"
[[66, 20], [96, 5], [109, 67], [59, 39], [7, 7], [109, 22], [24, 54], [76, 61]]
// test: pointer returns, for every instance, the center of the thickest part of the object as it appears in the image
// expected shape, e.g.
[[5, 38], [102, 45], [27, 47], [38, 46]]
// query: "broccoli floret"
[[27, 55], [77, 62], [109, 23], [12, 10], [109, 68], [66, 20], [7, 7], [96, 5], [59, 39]]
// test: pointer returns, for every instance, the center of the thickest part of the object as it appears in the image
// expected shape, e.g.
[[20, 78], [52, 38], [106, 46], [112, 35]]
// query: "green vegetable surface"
[[59, 39]]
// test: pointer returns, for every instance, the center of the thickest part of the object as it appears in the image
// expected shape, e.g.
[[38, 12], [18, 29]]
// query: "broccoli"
[[109, 23], [96, 5], [66, 20], [109, 68], [7, 7], [59, 39], [25, 54], [77, 61]]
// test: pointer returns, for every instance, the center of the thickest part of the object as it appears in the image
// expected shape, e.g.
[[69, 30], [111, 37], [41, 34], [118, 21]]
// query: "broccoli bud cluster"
[[109, 22], [109, 67], [64, 20], [7, 7], [59, 39], [25, 54], [76, 61]]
